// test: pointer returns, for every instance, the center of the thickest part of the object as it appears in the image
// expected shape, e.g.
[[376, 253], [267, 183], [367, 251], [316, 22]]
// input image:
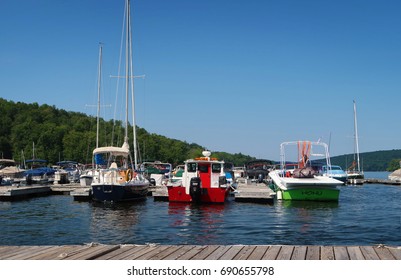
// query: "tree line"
[[45, 132]]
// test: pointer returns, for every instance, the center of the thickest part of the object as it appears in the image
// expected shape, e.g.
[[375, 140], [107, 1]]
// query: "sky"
[[239, 76]]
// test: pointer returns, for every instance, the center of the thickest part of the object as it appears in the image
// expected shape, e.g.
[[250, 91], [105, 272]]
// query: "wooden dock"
[[254, 192], [199, 252]]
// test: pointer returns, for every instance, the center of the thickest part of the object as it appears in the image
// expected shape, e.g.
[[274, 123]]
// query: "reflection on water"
[[196, 223], [365, 215]]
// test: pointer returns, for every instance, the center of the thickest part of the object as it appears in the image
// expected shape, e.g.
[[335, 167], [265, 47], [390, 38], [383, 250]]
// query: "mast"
[[98, 93], [356, 138], [129, 82]]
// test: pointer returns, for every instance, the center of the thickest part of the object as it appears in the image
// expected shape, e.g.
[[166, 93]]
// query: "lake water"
[[365, 215]]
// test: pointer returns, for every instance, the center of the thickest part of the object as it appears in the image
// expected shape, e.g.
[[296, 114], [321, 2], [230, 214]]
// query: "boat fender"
[[128, 175]]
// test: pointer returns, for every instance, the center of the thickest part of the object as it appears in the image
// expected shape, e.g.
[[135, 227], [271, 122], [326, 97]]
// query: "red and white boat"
[[203, 181]]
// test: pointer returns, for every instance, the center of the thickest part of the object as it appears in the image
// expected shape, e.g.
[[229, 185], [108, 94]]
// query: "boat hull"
[[208, 195], [119, 193], [315, 194], [318, 188]]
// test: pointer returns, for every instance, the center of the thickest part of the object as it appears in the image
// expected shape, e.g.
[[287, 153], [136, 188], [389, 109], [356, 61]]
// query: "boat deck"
[[199, 252]]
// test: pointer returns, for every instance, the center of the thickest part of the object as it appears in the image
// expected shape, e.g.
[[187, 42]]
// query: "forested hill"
[[372, 161], [55, 135]]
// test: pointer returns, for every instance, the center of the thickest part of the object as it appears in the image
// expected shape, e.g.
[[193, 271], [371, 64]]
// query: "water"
[[365, 215]]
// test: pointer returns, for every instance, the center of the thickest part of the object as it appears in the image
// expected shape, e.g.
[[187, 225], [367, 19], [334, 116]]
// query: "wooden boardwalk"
[[198, 252]]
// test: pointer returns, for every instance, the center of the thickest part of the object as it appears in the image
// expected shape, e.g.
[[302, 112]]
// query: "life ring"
[[128, 175]]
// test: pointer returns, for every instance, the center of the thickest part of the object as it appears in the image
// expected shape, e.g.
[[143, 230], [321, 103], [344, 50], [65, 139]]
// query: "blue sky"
[[236, 76]]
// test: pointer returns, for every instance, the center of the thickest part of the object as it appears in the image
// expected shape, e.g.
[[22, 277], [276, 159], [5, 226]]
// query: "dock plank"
[[299, 253], [272, 252], [313, 253], [92, 252], [327, 253], [168, 251], [355, 253], [206, 252], [218, 253], [191, 253], [232, 252], [396, 253], [384, 253], [118, 253], [245, 252], [179, 253], [258, 253], [285, 253], [369, 253], [341, 253]]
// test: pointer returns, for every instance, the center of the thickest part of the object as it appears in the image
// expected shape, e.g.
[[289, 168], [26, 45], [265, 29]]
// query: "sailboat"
[[116, 179], [355, 174]]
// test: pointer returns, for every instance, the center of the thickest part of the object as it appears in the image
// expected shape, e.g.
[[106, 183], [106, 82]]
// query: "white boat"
[[335, 172], [116, 178], [157, 172], [305, 182], [355, 175], [10, 173]]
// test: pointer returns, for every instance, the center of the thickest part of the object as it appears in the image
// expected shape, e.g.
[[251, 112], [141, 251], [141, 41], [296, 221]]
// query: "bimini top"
[[116, 151]]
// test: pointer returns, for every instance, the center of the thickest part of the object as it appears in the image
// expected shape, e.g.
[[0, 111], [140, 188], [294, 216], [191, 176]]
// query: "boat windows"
[[203, 168], [216, 168], [191, 167]]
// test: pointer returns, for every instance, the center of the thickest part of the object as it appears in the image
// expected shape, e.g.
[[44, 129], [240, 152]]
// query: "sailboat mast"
[[356, 138], [127, 74], [129, 81], [98, 94]]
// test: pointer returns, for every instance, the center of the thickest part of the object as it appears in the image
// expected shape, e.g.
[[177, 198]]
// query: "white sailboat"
[[355, 175], [116, 179]]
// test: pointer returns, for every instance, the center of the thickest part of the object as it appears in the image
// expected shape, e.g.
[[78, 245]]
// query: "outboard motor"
[[152, 181], [260, 178], [195, 189]]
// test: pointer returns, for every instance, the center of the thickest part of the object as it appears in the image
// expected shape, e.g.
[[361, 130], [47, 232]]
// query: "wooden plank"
[[119, 253], [232, 252], [178, 253], [369, 253], [384, 253], [258, 253], [205, 252], [299, 253], [327, 253], [168, 251], [285, 253], [218, 253], [313, 253], [272, 253], [54, 252], [150, 253], [245, 252], [340, 253], [191, 253], [30, 252], [355, 253], [137, 253], [12, 251], [92, 252], [396, 252]]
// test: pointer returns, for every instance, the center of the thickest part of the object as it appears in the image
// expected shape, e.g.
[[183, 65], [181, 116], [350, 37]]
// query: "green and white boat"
[[304, 179]]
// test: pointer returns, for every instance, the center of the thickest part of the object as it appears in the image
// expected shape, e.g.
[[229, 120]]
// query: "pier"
[[199, 252]]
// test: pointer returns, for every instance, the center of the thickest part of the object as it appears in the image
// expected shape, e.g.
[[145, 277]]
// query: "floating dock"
[[248, 191], [199, 252], [23, 192]]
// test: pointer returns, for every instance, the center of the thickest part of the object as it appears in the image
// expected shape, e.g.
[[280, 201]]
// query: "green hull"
[[311, 194]]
